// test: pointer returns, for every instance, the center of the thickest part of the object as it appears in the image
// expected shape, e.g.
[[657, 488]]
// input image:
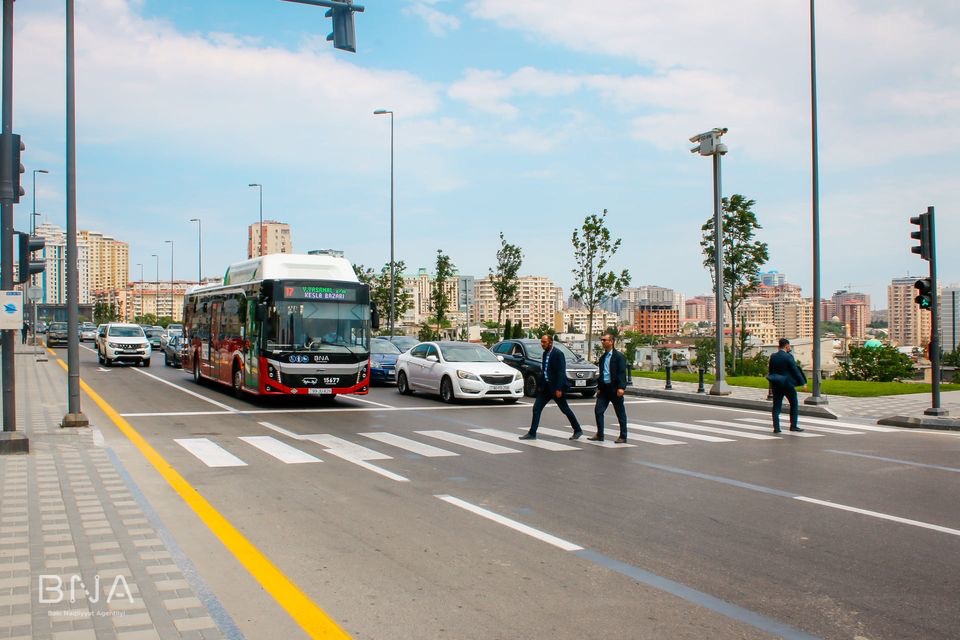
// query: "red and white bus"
[[282, 324]]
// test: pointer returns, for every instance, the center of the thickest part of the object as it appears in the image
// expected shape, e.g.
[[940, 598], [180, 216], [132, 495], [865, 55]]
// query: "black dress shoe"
[[528, 436], [776, 430], [621, 440], [795, 429], [596, 438], [576, 435]]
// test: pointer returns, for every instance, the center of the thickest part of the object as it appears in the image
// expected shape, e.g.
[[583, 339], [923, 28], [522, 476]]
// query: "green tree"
[[507, 329], [634, 340], [505, 282], [379, 284], [544, 329], [102, 313], [742, 255], [518, 331], [440, 293], [880, 364], [592, 250], [706, 353], [951, 358], [829, 326]]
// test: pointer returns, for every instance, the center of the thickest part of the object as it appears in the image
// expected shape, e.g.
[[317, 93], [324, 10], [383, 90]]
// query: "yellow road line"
[[288, 595]]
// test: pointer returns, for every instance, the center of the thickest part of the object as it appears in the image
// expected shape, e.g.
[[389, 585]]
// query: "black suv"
[[527, 356], [57, 334]]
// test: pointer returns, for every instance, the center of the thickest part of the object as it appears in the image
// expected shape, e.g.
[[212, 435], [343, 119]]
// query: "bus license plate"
[[499, 387], [319, 392], [579, 383]]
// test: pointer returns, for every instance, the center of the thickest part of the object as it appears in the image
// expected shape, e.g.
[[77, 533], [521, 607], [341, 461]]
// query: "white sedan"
[[457, 370]]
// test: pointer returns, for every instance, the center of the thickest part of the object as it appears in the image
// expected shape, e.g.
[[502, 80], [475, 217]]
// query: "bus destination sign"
[[315, 292]]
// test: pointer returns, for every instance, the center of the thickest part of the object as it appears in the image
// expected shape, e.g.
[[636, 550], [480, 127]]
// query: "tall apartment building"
[[274, 237], [421, 288], [757, 316], [793, 318], [657, 319], [773, 278], [909, 325], [950, 317], [701, 309], [103, 263], [538, 301], [853, 310], [632, 298], [577, 318]]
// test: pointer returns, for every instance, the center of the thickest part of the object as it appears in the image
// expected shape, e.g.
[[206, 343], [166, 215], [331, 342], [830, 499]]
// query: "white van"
[[124, 343]]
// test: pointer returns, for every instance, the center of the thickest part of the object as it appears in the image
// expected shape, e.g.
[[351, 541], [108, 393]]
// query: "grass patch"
[[852, 388]]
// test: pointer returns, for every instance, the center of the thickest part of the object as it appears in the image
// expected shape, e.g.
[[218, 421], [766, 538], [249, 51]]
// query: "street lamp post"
[[33, 230], [199, 249], [709, 145], [140, 264], [260, 189], [156, 298], [170, 242], [815, 398], [392, 261]]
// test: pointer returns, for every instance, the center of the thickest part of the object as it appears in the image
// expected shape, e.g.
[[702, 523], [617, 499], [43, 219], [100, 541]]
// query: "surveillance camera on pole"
[[708, 143]]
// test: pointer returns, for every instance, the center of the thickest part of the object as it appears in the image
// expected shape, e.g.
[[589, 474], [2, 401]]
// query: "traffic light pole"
[[935, 409]]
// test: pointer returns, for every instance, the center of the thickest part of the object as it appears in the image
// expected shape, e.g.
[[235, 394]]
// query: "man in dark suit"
[[785, 376], [553, 385], [613, 383]]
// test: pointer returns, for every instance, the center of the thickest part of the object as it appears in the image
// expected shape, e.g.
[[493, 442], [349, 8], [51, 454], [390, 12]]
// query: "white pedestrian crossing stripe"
[[700, 430]]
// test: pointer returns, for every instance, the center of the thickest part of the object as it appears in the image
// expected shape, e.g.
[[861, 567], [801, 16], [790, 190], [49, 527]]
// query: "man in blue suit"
[[785, 376], [553, 385], [612, 385]]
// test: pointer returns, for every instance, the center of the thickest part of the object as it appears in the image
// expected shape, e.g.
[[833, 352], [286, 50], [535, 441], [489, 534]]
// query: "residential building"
[[577, 318], [657, 319], [700, 309], [793, 318], [102, 263], [773, 278], [909, 324], [538, 301], [950, 317], [758, 319], [273, 236], [421, 288]]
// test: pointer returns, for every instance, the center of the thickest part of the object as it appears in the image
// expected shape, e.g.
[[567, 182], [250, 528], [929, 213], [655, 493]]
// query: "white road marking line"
[[174, 414], [345, 448], [370, 467], [849, 425], [560, 433], [673, 432], [539, 444], [882, 516], [281, 430], [210, 453], [280, 450], [767, 429], [513, 524], [187, 391], [805, 425], [470, 443], [726, 432], [364, 401], [400, 442]]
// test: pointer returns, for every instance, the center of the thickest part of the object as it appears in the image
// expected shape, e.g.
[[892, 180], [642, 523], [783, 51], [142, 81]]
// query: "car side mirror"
[[433, 358], [500, 358]]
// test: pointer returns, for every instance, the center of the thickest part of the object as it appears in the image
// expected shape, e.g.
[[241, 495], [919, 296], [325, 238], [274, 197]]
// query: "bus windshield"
[[318, 326]]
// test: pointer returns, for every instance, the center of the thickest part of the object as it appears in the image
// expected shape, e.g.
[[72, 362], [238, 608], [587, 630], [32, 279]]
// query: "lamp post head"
[[255, 184], [40, 171], [380, 112], [194, 219]]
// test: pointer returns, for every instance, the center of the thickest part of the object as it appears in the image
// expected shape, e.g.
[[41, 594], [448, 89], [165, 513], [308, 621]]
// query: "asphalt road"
[[707, 529]]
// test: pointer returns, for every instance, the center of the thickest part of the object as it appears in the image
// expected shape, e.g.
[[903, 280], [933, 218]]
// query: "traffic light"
[[28, 266], [923, 235], [925, 289], [344, 36], [16, 167]]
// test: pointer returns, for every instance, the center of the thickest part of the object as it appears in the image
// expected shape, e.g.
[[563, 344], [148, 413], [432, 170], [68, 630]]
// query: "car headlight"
[[113, 345], [517, 376], [466, 375]]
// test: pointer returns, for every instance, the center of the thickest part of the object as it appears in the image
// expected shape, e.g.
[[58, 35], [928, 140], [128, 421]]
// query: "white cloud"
[[439, 23]]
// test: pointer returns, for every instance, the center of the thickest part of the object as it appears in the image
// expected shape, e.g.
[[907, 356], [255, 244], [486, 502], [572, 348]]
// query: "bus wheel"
[[196, 371], [402, 385], [237, 381]]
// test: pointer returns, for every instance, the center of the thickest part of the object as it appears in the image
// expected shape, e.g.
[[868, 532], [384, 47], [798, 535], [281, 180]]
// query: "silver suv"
[[124, 343]]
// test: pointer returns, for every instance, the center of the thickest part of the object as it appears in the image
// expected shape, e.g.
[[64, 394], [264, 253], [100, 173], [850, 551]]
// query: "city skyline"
[[507, 119]]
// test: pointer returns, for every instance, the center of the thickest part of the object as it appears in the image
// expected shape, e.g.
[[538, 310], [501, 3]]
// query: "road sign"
[[34, 294], [11, 309]]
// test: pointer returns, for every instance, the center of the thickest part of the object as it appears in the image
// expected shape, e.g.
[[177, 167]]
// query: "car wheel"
[[590, 393], [402, 385], [237, 378], [145, 362], [510, 400], [530, 386], [196, 370], [446, 391]]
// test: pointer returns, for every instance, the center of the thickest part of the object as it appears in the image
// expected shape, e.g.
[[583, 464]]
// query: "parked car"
[[57, 334], [42, 327], [404, 343], [457, 370], [124, 343], [101, 332], [167, 334], [526, 355], [383, 362], [171, 352], [153, 335], [88, 332]]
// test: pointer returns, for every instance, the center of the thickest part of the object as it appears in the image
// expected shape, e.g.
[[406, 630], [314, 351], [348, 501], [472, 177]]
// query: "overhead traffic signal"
[[924, 288], [344, 35], [29, 266], [922, 234]]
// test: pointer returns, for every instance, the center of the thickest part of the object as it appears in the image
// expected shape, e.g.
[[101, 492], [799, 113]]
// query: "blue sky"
[[513, 116]]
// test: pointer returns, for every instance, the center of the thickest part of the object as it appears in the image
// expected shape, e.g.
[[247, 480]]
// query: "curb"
[[925, 422], [729, 401]]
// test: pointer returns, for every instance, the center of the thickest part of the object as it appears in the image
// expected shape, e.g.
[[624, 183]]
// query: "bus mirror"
[[261, 312], [374, 317]]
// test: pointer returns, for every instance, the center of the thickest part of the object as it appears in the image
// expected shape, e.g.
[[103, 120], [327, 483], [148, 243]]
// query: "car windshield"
[[125, 332], [467, 353], [383, 346], [535, 351], [174, 327], [58, 326], [154, 333]]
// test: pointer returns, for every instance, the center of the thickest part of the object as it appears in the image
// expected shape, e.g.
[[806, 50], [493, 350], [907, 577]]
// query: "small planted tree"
[[880, 364], [440, 294], [505, 282]]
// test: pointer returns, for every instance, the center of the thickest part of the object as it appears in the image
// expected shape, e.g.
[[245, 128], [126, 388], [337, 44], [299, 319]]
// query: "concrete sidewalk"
[[842, 407], [83, 556]]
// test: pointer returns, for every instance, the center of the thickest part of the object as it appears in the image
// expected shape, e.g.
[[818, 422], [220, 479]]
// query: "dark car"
[[153, 335], [527, 356], [383, 362], [171, 352], [404, 343], [57, 334]]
